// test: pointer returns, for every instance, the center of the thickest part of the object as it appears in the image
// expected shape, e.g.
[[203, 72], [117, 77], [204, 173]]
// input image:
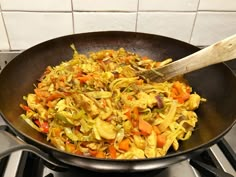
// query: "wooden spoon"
[[221, 51]]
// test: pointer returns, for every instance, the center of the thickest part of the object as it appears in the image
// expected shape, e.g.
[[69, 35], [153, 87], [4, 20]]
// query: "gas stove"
[[218, 160]]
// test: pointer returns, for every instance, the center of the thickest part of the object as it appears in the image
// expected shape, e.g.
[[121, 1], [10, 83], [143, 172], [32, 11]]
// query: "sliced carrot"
[[24, 107], [144, 126], [128, 113], [128, 59], [134, 123], [144, 133], [178, 93], [104, 103], [161, 140], [188, 89], [85, 78], [178, 86], [56, 132], [136, 132], [100, 154], [124, 145], [112, 151], [50, 104], [44, 127], [156, 130], [157, 64], [183, 97], [77, 151], [41, 93], [174, 92], [139, 82], [135, 117], [130, 97], [80, 74], [70, 147], [135, 113], [145, 58], [40, 85], [61, 84], [93, 152], [54, 96]]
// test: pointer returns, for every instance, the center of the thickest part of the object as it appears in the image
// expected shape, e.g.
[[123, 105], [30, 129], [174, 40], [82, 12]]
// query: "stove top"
[[218, 159]]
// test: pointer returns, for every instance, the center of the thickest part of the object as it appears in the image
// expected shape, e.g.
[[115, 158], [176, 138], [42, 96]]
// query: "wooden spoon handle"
[[221, 51]]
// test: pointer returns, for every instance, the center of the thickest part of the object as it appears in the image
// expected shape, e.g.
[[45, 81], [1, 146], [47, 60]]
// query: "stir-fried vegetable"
[[96, 106]]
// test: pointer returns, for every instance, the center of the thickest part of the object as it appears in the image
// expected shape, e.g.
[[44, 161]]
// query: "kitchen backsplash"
[[24, 23]]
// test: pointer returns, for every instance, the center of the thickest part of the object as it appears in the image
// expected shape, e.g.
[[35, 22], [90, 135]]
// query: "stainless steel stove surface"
[[219, 158]]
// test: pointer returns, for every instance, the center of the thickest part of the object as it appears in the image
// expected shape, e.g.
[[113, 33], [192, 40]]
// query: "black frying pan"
[[215, 83]]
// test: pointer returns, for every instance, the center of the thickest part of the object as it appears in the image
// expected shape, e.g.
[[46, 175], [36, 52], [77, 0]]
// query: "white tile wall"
[[218, 5], [26, 29], [173, 24], [213, 26], [105, 5], [3, 36], [36, 5], [27, 22], [103, 21], [169, 5]]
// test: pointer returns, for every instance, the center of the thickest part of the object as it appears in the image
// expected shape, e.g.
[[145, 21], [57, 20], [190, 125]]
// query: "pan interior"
[[215, 83]]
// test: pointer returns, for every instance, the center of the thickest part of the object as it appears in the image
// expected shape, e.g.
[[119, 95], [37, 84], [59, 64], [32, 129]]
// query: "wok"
[[216, 83]]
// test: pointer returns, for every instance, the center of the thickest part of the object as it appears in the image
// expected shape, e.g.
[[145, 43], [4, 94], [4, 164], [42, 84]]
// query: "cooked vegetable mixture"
[[96, 106]]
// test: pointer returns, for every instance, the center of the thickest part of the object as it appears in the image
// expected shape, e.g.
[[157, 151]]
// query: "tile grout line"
[[73, 18], [136, 23], [186, 11], [119, 11], [4, 24], [38, 11], [194, 22], [60, 11]]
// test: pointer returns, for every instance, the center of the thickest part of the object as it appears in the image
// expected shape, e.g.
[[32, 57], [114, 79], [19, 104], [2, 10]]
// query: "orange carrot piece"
[[54, 96], [136, 132], [56, 132], [77, 151], [100, 154], [157, 64], [139, 82], [93, 152], [129, 97], [104, 103], [135, 116], [161, 140], [135, 113], [41, 93], [112, 151], [85, 78], [128, 113], [24, 107], [145, 58], [50, 104], [70, 147], [44, 127], [124, 145], [178, 86], [178, 93], [144, 126], [156, 130]]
